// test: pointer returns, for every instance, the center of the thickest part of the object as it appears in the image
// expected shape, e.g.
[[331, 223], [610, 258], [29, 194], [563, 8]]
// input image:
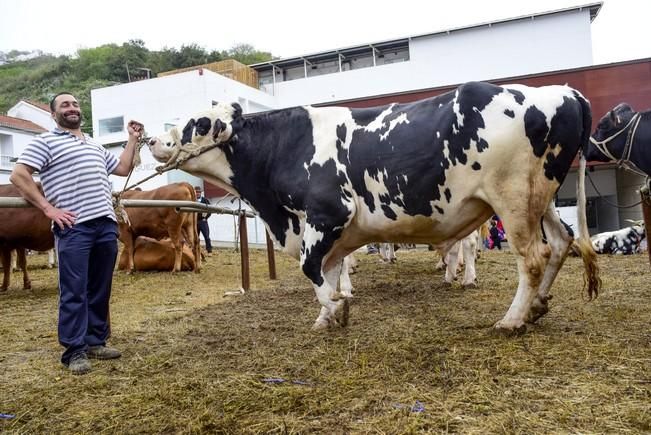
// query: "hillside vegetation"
[[41, 77]]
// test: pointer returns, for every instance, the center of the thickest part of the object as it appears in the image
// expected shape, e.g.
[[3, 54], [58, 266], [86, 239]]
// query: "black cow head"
[[609, 125]]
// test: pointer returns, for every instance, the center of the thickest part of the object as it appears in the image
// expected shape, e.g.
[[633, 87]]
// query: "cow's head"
[[638, 227], [609, 125], [216, 126]]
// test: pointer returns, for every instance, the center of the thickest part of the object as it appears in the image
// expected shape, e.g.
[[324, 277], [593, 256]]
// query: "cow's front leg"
[[334, 305], [469, 249], [452, 263], [345, 284]]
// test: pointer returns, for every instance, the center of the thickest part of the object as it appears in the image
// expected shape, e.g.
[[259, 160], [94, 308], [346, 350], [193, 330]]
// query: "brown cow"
[[21, 228], [161, 222], [152, 254]]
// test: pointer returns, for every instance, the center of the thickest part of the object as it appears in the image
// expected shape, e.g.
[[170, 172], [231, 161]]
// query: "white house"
[[546, 41], [23, 121]]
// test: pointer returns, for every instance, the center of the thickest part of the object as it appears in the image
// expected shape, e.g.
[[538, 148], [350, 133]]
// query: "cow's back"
[[24, 227], [155, 221], [156, 255]]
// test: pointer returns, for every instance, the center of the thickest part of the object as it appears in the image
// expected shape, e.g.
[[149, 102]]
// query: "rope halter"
[[625, 160]]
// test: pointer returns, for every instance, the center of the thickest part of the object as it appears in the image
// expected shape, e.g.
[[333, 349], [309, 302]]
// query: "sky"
[[292, 28]]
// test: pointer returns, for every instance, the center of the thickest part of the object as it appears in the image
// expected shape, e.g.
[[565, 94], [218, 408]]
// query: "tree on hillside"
[[40, 78], [247, 54]]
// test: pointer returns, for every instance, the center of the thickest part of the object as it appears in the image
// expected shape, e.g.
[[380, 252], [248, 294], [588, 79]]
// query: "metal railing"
[[189, 206]]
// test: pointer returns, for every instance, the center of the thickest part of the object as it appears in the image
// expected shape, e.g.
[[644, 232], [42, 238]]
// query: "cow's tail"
[[589, 256]]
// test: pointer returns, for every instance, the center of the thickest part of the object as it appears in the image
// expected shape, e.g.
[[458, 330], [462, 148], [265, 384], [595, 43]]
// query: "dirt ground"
[[417, 357]]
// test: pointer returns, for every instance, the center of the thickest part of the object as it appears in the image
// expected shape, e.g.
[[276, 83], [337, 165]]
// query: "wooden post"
[[271, 257], [244, 253], [646, 212]]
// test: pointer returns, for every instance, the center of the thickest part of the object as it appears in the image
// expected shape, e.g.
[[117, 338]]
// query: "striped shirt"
[[74, 173]]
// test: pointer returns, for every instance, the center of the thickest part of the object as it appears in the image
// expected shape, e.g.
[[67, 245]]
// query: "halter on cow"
[[623, 136], [328, 180]]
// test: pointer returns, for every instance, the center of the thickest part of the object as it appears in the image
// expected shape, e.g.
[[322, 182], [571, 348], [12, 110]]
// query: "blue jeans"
[[87, 254]]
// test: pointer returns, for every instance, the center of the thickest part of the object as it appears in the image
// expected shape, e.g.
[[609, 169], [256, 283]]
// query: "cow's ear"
[[613, 117], [175, 135], [237, 110], [238, 120], [187, 132], [217, 128]]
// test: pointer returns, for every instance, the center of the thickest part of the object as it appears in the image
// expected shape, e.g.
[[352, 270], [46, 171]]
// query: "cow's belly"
[[437, 229]]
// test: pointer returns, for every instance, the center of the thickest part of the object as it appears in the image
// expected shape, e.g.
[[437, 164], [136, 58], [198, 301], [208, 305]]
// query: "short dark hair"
[[52, 106]]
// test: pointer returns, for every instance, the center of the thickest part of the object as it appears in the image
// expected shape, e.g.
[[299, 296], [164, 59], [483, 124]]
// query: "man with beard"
[[74, 171]]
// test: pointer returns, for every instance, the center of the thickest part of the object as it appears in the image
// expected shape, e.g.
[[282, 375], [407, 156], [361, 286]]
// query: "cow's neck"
[[266, 158]]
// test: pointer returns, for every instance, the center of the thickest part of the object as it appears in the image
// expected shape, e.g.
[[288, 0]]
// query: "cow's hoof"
[[3, 289], [505, 330], [539, 308], [470, 286], [343, 312], [446, 284], [27, 286], [320, 325]]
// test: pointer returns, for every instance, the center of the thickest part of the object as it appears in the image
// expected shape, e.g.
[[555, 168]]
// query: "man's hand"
[[63, 218], [135, 129]]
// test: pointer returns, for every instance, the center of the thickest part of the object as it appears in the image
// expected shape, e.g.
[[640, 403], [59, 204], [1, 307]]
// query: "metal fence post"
[[244, 253], [271, 257], [646, 212]]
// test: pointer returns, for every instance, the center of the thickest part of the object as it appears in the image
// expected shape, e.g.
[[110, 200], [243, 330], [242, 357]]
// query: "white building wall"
[[512, 48]]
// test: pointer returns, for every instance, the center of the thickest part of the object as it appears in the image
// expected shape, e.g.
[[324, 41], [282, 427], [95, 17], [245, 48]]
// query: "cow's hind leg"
[[21, 258], [469, 249], [6, 268], [177, 241], [525, 238], [559, 241]]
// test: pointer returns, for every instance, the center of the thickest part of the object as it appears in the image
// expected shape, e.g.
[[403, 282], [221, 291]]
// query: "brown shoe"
[[79, 364], [103, 352]]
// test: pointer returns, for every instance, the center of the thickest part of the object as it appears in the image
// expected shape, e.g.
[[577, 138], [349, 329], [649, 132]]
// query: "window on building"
[[6, 151], [111, 125]]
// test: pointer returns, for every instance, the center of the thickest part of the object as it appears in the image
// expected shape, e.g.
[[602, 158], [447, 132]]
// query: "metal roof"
[[594, 9]]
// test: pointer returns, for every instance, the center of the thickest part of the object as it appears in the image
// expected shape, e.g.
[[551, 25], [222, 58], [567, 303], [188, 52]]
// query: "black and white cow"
[[625, 241], [623, 135], [329, 180]]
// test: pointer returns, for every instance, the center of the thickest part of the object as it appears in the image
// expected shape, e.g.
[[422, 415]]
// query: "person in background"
[[495, 236], [74, 171], [202, 220]]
